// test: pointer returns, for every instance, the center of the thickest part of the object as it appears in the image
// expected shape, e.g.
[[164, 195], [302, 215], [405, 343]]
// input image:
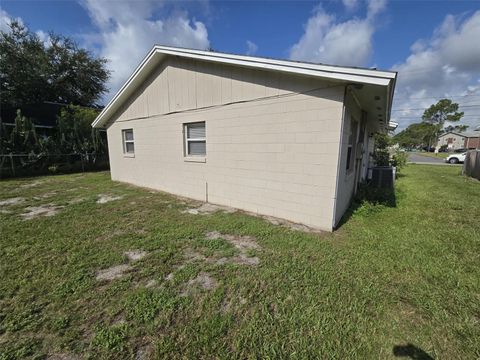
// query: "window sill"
[[127, 155], [197, 159]]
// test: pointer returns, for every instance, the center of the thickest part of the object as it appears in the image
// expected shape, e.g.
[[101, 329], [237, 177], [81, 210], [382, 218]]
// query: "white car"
[[456, 158]]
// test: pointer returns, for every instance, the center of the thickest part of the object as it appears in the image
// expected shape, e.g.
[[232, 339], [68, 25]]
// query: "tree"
[[23, 138], [456, 128], [444, 110], [75, 133], [33, 72], [416, 135], [437, 114]]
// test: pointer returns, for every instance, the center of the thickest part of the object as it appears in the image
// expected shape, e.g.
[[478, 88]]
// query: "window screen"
[[195, 139], [128, 142]]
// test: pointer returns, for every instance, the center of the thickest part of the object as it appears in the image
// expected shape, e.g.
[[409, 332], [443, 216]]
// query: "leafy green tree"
[[33, 72], [437, 114], [23, 138], [456, 128], [444, 110], [75, 133], [416, 135]]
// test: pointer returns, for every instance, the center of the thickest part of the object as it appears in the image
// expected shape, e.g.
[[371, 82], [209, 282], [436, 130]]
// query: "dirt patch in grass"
[[42, 210], [12, 201], [77, 200], [151, 283], [291, 225], [240, 259], [134, 255], [242, 243], [45, 195], [203, 281], [32, 184], [191, 255], [143, 353], [206, 209], [102, 198], [113, 272], [171, 275], [229, 303]]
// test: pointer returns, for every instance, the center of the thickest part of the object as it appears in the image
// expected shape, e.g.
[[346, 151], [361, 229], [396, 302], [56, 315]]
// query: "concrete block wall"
[[272, 140]]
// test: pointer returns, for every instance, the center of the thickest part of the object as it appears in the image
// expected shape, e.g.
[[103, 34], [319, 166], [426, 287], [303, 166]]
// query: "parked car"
[[456, 158]]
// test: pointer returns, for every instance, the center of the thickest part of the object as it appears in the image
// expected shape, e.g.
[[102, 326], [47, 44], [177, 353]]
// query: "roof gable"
[[328, 72]]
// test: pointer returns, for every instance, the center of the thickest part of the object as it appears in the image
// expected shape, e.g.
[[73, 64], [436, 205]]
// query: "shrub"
[[53, 168], [399, 160], [381, 154]]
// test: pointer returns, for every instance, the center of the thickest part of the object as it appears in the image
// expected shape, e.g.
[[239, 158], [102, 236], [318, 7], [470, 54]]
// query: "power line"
[[436, 97], [419, 116], [460, 106], [203, 108], [421, 69]]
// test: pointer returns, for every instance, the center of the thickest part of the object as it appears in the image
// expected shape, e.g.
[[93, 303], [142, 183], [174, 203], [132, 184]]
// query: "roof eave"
[[349, 75]]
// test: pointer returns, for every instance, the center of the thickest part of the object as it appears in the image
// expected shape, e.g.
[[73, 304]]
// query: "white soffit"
[[156, 55]]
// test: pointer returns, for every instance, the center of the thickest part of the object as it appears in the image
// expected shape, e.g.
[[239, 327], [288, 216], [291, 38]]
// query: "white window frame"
[[125, 142], [186, 141]]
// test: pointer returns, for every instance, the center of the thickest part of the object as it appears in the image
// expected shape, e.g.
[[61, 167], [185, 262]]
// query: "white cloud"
[[375, 7], [6, 19], [129, 29], [342, 43], [446, 65], [252, 48]]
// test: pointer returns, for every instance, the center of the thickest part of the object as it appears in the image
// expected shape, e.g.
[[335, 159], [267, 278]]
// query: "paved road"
[[419, 159]]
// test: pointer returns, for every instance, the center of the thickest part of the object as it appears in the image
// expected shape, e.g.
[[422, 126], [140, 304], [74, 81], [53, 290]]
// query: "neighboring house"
[[281, 138], [460, 140], [472, 139]]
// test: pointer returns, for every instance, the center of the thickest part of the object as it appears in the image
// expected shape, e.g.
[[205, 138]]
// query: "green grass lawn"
[[392, 281]]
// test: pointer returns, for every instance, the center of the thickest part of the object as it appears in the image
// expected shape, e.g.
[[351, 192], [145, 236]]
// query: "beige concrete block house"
[[281, 138]]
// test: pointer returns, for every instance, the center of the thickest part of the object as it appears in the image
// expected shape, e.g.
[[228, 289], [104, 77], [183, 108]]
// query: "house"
[[281, 138], [459, 140], [472, 139]]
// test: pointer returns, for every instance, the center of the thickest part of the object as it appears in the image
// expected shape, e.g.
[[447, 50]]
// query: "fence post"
[[81, 159], [12, 164]]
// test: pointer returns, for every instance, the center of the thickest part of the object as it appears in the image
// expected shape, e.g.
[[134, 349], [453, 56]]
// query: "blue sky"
[[433, 45]]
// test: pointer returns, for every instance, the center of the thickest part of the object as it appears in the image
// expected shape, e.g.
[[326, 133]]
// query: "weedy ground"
[[91, 268]]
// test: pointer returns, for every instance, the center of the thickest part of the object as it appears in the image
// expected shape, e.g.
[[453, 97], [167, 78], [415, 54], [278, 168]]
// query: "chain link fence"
[[19, 165]]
